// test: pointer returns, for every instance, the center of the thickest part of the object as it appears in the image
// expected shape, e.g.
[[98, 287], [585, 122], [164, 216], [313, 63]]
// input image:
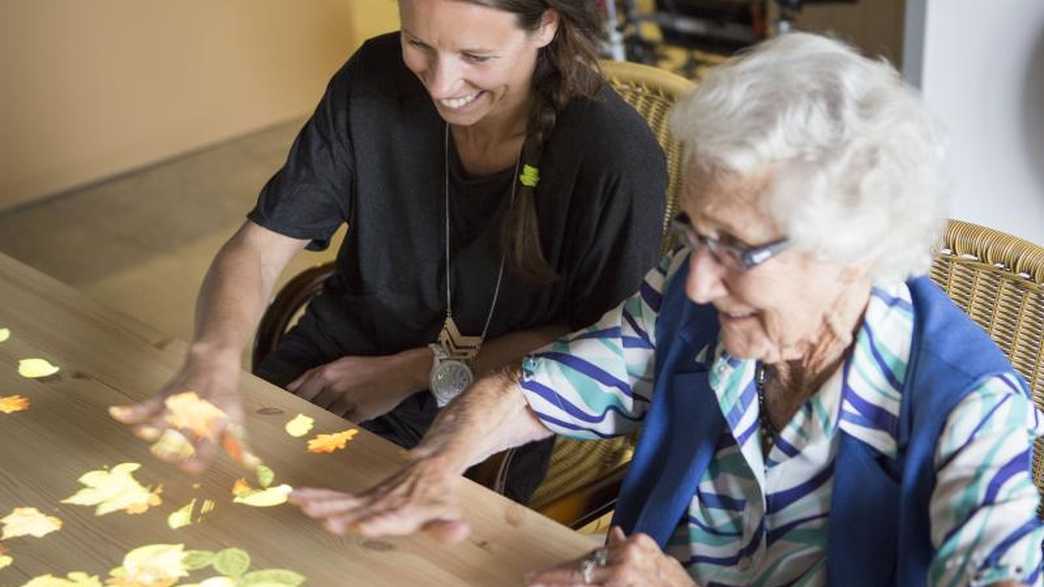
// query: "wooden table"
[[108, 359]]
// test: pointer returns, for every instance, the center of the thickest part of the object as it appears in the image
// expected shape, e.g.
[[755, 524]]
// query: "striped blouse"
[[761, 519]]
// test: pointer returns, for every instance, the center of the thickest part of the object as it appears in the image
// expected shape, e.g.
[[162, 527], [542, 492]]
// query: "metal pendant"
[[456, 344]]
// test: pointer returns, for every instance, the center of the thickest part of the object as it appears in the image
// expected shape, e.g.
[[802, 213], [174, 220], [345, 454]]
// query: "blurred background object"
[[135, 134]]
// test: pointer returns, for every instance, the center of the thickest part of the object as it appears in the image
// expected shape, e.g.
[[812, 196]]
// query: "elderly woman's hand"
[[624, 561], [422, 496]]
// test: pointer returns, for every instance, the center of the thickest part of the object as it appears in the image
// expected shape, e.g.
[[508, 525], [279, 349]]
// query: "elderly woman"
[[813, 411]]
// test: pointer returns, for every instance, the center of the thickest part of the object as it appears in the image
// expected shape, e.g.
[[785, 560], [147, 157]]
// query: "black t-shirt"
[[372, 155]]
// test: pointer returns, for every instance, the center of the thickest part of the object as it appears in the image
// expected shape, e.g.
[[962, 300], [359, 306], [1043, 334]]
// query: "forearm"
[[236, 290], [490, 416]]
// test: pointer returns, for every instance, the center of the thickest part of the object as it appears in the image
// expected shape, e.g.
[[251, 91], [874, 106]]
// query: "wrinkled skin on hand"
[[420, 497], [634, 560]]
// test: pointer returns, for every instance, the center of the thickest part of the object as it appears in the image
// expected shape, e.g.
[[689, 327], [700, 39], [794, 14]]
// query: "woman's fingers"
[[308, 387], [203, 455], [326, 507], [569, 573], [451, 531], [137, 413]]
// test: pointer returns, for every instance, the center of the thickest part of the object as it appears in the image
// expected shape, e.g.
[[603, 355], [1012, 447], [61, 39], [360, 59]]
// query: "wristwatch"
[[449, 375]]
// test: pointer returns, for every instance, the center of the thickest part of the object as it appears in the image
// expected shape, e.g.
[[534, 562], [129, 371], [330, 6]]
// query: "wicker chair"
[[573, 492], [997, 279]]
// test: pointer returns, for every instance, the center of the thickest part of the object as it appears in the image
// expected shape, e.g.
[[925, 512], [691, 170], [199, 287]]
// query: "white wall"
[[981, 68]]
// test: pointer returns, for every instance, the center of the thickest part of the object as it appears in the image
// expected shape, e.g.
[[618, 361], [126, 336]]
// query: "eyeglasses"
[[732, 256]]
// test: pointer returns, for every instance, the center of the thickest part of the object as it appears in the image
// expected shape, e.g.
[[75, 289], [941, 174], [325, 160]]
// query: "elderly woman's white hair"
[[858, 160]]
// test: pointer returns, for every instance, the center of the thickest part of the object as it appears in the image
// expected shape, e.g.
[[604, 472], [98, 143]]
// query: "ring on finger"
[[596, 559]]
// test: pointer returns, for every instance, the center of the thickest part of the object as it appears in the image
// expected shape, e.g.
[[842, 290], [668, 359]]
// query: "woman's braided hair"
[[566, 68]]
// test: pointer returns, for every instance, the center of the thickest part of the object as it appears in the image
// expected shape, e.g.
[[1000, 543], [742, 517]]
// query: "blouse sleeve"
[[985, 525], [597, 382], [310, 196]]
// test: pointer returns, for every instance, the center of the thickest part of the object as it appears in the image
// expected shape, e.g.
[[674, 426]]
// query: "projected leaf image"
[[299, 426], [4, 334], [13, 403], [262, 498], [115, 490], [72, 580], [36, 368], [187, 411], [28, 522], [183, 516], [156, 565], [5, 560], [327, 443], [163, 565], [172, 445]]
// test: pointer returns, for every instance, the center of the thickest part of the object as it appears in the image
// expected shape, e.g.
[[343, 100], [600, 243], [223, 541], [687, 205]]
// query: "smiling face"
[[778, 311], [475, 61]]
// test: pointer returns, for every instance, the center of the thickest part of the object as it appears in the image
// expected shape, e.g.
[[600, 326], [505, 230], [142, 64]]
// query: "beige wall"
[[89, 89]]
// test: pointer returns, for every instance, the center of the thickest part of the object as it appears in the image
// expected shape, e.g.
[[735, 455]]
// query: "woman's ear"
[[548, 28]]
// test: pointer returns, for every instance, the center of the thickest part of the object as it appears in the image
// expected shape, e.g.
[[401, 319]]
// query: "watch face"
[[450, 378]]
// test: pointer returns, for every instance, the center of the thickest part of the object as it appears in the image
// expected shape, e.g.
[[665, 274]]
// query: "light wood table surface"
[[108, 359]]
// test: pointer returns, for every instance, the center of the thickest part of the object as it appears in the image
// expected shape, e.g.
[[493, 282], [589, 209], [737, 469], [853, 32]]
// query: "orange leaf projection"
[[330, 442], [13, 403], [28, 522], [187, 411], [241, 487]]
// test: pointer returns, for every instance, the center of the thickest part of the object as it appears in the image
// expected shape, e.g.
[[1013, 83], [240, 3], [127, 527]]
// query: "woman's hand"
[[422, 496], [624, 561], [363, 388], [197, 411]]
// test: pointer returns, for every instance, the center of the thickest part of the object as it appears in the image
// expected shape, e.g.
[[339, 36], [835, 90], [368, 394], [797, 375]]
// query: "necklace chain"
[[768, 429], [503, 255]]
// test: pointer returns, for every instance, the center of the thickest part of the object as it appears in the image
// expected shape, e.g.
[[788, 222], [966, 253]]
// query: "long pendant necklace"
[[456, 344]]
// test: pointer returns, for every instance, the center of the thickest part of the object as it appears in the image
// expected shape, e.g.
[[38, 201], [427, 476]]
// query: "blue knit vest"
[[879, 507]]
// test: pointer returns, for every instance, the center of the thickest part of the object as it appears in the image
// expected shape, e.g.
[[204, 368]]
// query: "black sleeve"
[[628, 186], [312, 194]]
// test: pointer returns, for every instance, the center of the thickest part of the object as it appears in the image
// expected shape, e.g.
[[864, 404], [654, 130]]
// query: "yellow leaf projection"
[[263, 498], [326, 443], [163, 565], [187, 411], [115, 490], [156, 565], [299, 426], [172, 446], [73, 580], [28, 522], [14, 403], [5, 561], [35, 368], [181, 517], [4, 334]]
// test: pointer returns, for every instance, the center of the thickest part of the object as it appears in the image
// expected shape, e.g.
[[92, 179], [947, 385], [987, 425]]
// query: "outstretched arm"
[[490, 416]]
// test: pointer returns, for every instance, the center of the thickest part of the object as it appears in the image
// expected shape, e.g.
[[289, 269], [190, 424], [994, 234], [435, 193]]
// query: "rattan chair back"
[[997, 279]]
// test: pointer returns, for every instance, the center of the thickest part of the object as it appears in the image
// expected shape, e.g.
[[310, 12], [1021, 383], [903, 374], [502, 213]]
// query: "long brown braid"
[[566, 68]]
